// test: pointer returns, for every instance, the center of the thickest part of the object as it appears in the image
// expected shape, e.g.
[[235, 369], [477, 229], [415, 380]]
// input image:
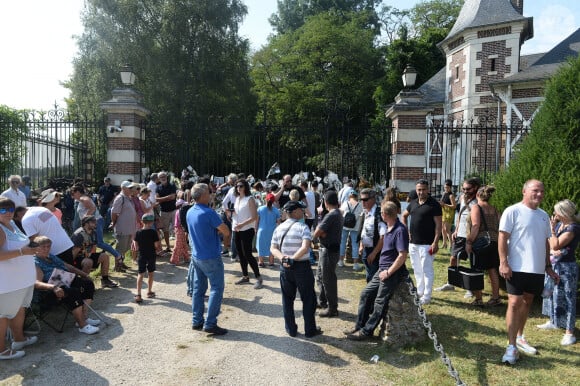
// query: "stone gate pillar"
[[408, 139], [125, 117]]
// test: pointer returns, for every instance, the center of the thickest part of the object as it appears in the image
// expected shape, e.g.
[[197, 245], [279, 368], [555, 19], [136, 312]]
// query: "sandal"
[[11, 354], [477, 303], [150, 295], [494, 302], [138, 299]]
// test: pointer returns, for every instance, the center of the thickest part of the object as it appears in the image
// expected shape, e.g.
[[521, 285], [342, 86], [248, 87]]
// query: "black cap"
[[291, 206]]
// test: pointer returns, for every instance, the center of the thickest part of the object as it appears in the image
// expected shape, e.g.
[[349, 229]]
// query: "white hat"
[[48, 195], [126, 184]]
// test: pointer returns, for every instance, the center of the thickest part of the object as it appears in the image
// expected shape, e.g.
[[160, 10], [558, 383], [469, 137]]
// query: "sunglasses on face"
[[365, 199], [6, 210], [239, 186]]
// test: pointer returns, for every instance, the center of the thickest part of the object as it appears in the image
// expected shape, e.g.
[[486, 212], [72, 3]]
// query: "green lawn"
[[475, 340]]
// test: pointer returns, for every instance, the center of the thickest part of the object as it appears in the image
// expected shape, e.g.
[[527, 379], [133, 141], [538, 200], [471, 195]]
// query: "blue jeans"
[[106, 214], [101, 242], [353, 244], [211, 270], [374, 300], [298, 277], [370, 268]]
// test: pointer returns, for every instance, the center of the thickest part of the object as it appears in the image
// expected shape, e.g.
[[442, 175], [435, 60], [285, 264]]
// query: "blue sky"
[[38, 47]]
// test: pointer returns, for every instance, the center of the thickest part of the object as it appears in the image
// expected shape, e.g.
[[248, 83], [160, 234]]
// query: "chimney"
[[518, 5]]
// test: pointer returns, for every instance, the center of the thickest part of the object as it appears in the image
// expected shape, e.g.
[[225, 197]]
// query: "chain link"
[[433, 336]]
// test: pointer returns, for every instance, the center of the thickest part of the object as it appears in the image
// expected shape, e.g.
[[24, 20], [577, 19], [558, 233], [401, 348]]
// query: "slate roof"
[[479, 13], [543, 66]]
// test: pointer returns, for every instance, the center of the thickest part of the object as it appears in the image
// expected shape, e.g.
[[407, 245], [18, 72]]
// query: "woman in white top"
[[243, 225], [355, 207], [17, 278]]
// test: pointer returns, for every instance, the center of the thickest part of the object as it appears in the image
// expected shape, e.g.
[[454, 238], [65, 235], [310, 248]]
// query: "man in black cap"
[[84, 251], [291, 244]]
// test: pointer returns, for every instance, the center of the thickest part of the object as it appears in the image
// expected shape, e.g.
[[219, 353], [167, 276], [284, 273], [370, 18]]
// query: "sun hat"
[[48, 195]]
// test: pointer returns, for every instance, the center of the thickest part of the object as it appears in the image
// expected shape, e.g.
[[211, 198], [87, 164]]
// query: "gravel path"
[[153, 343]]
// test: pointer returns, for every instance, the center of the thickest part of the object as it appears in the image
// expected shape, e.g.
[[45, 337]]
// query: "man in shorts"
[[86, 258], [523, 262]]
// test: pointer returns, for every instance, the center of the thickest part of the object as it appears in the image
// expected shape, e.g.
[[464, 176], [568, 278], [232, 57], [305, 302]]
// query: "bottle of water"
[[548, 287]]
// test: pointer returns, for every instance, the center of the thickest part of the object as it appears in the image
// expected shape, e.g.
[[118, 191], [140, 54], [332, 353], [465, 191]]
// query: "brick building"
[[469, 115]]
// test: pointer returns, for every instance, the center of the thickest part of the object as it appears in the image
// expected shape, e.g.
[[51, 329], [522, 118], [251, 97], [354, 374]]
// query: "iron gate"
[[56, 144]]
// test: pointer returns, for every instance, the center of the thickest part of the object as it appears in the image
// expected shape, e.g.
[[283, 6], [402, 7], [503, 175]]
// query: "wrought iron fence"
[[458, 151], [348, 150], [56, 144]]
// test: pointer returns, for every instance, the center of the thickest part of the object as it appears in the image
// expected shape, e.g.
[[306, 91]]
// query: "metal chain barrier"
[[433, 336]]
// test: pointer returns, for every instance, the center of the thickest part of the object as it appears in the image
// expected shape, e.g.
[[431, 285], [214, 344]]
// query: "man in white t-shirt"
[[524, 255], [39, 221]]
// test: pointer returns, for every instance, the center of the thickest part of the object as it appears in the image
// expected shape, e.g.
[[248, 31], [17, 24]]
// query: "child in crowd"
[[148, 244]]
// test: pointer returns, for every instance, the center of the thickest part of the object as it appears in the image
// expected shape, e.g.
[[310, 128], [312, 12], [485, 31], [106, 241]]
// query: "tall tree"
[[190, 62], [326, 69], [292, 14]]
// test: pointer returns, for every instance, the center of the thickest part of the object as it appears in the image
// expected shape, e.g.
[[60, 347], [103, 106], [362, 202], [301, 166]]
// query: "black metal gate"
[[348, 151], [55, 144], [461, 151]]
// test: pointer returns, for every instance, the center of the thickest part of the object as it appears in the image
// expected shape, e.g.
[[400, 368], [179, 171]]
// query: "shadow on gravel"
[[298, 348]]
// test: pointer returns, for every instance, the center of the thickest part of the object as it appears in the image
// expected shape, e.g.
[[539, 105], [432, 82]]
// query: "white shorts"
[[12, 302]]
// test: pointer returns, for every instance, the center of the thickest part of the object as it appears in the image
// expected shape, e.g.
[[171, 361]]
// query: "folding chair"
[[46, 308]]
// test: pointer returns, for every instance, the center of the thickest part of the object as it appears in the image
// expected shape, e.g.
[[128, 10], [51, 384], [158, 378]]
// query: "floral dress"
[[181, 248]]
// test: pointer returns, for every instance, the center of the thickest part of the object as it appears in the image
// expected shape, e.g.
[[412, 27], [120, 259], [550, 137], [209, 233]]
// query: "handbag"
[[467, 278], [484, 249]]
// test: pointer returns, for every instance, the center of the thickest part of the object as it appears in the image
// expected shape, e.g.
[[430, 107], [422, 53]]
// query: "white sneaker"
[[511, 355], [445, 287], [523, 345], [92, 322], [468, 295], [424, 301], [356, 267], [568, 339], [340, 263], [28, 340], [89, 330], [547, 326]]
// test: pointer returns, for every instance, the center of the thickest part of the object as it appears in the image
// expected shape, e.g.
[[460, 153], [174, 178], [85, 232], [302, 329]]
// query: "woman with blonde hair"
[[561, 305]]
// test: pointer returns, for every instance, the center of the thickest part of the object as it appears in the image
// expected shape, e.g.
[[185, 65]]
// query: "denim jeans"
[[353, 244], [374, 300], [371, 269], [298, 277], [205, 270], [101, 242], [105, 212]]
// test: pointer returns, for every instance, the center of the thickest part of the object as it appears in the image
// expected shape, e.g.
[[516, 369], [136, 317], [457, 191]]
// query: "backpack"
[[350, 218], [183, 216]]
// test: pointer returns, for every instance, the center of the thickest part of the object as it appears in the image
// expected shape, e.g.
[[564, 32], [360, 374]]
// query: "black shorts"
[[520, 282], [93, 256], [146, 263], [67, 256], [458, 248]]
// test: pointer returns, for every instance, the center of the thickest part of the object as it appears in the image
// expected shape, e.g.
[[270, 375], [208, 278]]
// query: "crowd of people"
[[259, 224]]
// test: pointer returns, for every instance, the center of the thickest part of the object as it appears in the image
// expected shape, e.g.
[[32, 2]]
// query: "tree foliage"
[[189, 60], [12, 136], [550, 152], [292, 14], [325, 70]]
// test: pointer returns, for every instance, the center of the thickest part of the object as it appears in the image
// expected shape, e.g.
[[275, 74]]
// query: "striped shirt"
[[295, 231]]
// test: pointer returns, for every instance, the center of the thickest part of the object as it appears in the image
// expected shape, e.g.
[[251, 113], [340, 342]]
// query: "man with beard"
[[459, 237]]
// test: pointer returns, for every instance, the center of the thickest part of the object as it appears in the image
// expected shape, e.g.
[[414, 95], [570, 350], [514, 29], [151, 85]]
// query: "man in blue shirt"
[[374, 299], [204, 227]]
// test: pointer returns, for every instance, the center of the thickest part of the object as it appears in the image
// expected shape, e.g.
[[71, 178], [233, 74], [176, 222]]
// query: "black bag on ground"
[[467, 278]]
